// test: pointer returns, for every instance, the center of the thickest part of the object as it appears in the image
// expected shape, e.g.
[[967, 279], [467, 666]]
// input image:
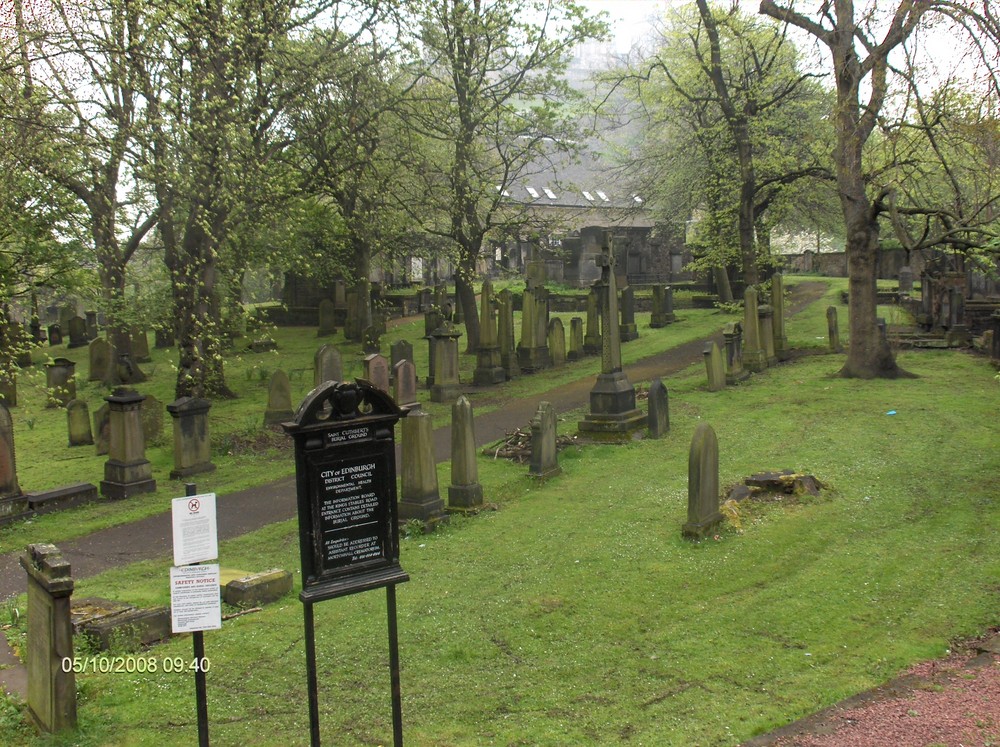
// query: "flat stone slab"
[[109, 623], [64, 497], [257, 589], [786, 481]]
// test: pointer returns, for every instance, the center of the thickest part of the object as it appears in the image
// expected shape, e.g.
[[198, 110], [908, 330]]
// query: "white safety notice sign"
[[195, 602], [196, 536]]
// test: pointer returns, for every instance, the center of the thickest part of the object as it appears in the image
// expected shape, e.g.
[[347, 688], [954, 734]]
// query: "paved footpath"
[[247, 510]]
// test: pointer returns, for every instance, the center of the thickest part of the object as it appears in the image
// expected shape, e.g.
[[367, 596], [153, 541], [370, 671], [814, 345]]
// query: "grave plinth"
[[444, 341], [192, 446], [127, 471]]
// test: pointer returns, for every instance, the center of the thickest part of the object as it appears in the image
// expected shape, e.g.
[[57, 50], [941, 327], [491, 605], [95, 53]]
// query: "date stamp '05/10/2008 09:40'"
[[134, 664]]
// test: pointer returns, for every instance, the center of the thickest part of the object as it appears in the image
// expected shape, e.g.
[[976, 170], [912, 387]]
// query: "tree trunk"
[[465, 293]]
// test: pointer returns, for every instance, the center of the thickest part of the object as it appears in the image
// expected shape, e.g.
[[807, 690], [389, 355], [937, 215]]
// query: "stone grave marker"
[[489, 370], [279, 399], [400, 350], [628, 329], [404, 385], [376, 369], [60, 380], [152, 420], [446, 386], [575, 351], [732, 333], [557, 342], [327, 318], [592, 339], [9, 487], [714, 368], [163, 338], [100, 359], [663, 307], [192, 445], [703, 483], [505, 334], [754, 357], [659, 409], [102, 429], [420, 499], [544, 458], [77, 332], [55, 335], [765, 316], [833, 330], [327, 365], [533, 349], [140, 346], [371, 339], [78, 423], [91, 320], [465, 492], [778, 317], [127, 471], [905, 280]]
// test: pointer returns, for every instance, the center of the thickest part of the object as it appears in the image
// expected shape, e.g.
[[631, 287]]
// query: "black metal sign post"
[[345, 471], [200, 687]]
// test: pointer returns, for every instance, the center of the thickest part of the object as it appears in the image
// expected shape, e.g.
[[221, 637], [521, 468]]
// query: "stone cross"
[[611, 346]]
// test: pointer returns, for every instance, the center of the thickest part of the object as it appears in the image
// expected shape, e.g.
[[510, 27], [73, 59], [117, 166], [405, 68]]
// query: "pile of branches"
[[516, 446]]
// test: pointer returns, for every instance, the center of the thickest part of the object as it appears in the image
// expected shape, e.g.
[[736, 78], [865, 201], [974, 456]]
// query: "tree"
[[493, 105], [860, 42]]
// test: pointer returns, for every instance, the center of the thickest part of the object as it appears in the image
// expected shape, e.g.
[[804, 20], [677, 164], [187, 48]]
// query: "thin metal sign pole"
[[397, 697], [307, 614], [198, 638]]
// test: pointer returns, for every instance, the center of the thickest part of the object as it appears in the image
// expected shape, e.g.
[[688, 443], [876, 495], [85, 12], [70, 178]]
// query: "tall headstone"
[[339, 294], [714, 368], [400, 350], [465, 491], [371, 339], [192, 445], [152, 419], [127, 471], [446, 386], [327, 365], [557, 342], [533, 349], [420, 499], [77, 332], [100, 359], [327, 318], [575, 351], [628, 329], [833, 330], [376, 369], [613, 414], [592, 339], [663, 307], [765, 316], [659, 409], [732, 333], [905, 280], [102, 429], [51, 688], [433, 319], [55, 335], [60, 380], [78, 423], [754, 357], [489, 370], [9, 487], [778, 319], [404, 385], [140, 346], [703, 483], [279, 399], [91, 320], [544, 458], [505, 334]]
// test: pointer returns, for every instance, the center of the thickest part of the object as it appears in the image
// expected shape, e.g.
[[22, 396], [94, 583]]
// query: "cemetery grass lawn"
[[576, 614]]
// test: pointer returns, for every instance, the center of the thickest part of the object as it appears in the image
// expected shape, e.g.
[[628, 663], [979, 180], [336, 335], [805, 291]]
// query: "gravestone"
[[371, 340], [192, 445], [557, 343], [544, 457], [765, 316], [592, 339], [833, 330], [905, 280], [754, 357], [404, 385], [339, 294], [575, 351], [376, 371], [533, 349], [420, 499], [77, 332], [126, 371], [100, 359], [78, 423], [279, 399], [163, 338], [140, 346], [327, 318], [9, 487], [446, 386], [102, 429], [60, 380], [127, 471], [703, 483], [432, 320], [505, 335], [327, 365], [714, 368], [659, 409], [628, 329], [732, 333], [778, 318], [91, 320], [152, 419], [51, 688], [663, 307], [465, 491], [489, 370], [66, 312], [613, 414], [35, 327], [400, 350], [55, 335]]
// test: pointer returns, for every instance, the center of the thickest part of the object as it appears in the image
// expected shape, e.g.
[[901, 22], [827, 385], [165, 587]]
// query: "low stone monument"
[[9, 487], [703, 483], [659, 409], [765, 316], [77, 332], [833, 330], [446, 386], [100, 359], [404, 385], [78, 423], [714, 368], [557, 343], [140, 346], [505, 335], [533, 349], [400, 350], [376, 370], [192, 445], [55, 335], [327, 318], [127, 471], [420, 498], [778, 319], [592, 339], [102, 429], [279, 399], [327, 365], [465, 492], [544, 459], [152, 419]]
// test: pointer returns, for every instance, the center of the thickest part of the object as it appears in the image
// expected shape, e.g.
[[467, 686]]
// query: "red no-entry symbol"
[[194, 504]]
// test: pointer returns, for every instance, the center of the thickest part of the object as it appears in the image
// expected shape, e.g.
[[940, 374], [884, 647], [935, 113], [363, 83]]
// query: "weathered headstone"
[[77, 332], [905, 280], [754, 357], [420, 499], [533, 349], [833, 330], [544, 456], [327, 365], [659, 409], [376, 370], [703, 483], [279, 399], [446, 386], [714, 368], [575, 351], [51, 684], [592, 339], [765, 316], [489, 370], [163, 337], [404, 385], [192, 445], [140, 346], [102, 429], [371, 340], [400, 350], [465, 491], [78, 423], [152, 419], [663, 307], [339, 294], [778, 319], [100, 359], [732, 333], [613, 414], [505, 335], [127, 471], [60, 380], [327, 318], [557, 342], [55, 335], [35, 327], [9, 487], [91, 320], [628, 329]]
